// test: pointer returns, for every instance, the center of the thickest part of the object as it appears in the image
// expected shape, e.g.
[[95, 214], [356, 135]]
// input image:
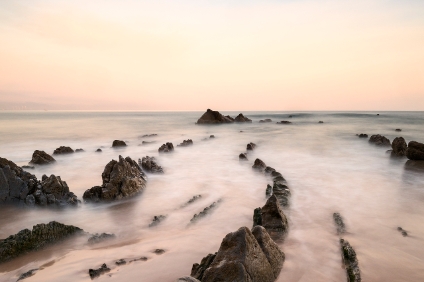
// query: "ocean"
[[327, 167]]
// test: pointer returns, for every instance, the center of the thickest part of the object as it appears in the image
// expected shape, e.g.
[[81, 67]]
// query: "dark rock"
[[159, 251], [28, 167], [290, 116], [99, 150], [320, 121], [97, 238], [118, 143], [166, 148], [212, 136], [378, 114], [198, 270], [30, 200], [251, 146], [273, 219], [79, 150], [205, 211], [243, 256], [44, 177], [186, 143], [398, 129], [282, 193], [265, 120], [41, 235], [230, 118], [417, 166], [341, 228], [284, 122], [259, 165], [148, 135], [362, 135], [41, 158], [156, 220], [149, 165], [63, 150], [415, 151], [350, 262], [379, 140], [187, 279], [27, 274], [55, 186], [269, 170], [242, 118], [194, 198], [257, 217], [147, 142], [276, 174], [213, 117], [404, 234], [120, 262], [399, 147], [268, 191], [97, 272], [139, 259], [243, 157], [121, 179]]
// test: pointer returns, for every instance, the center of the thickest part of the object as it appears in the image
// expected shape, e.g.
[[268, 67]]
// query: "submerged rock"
[[159, 251], [121, 179], [97, 272], [41, 158], [350, 262], [417, 166], [119, 143], [399, 147], [157, 219], [251, 146], [273, 219], [379, 140], [149, 135], [41, 235], [265, 120], [205, 211], [281, 192], [213, 117], [79, 150], [242, 118], [120, 262], [398, 129], [259, 165], [99, 150], [341, 228], [415, 151], [97, 238], [149, 165], [362, 135], [166, 148], [63, 150], [27, 274], [320, 121], [194, 198], [243, 157], [211, 136], [186, 143], [284, 122], [28, 167]]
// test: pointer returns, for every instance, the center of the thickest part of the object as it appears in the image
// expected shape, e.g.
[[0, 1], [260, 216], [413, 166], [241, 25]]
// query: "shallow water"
[[327, 167]]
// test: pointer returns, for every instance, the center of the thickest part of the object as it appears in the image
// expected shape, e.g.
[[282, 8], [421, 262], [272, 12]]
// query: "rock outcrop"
[[186, 143], [242, 118], [399, 147], [415, 151], [41, 235], [284, 122], [193, 199], [362, 135], [350, 262], [341, 228], [379, 140], [198, 270], [213, 117], [121, 179], [205, 211], [259, 165], [41, 158], [272, 218], [97, 272], [157, 219], [97, 238], [119, 143], [243, 157], [63, 150], [149, 164], [166, 148], [251, 146]]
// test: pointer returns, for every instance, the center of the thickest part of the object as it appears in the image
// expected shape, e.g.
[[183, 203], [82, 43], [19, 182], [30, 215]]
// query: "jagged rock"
[[166, 148], [149, 165], [398, 129], [159, 251], [362, 135], [97, 272], [246, 256], [259, 165], [230, 118], [282, 193], [118, 143], [268, 191], [63, 150], [350, 262], [242, 118], [194, 198], [187, 279], [97, 238], [257, 217], [273, 219], [251, 146], [27, 274], [156, 220], [79, 150], [341, 228], [204, 212], [198, 270], [379, 140], [121, 179], [41, 158], [415, 151], [243, 157], [120, 262], [284, 122], [269, 170], [399, 147], [99, 150], [213, 117], [186, 143], [41, 235], [265, 120], [320, 121]]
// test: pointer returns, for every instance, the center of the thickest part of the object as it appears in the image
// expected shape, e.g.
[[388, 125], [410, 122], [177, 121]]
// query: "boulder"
[[379, 140], [41, 235], [251, 146], [284, 122], [399, 147], [121, 179], [265, 120], [149, 164], [186, 143], [99, 150], [273, 219], [341, 228], [63, 150], [259, 165], [350, 262], [41, 158], [243, 157], [79, 150], [362, 135], [166, 148], [415, 151], [119, 143], [213, 117], [257, 217], [242, 118], [211, 136]]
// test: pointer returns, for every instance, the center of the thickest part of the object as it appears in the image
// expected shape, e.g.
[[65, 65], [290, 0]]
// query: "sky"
[[287, 55]]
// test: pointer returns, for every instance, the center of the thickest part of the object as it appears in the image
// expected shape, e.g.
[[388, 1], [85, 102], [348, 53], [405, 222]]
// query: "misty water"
[[327, 167]]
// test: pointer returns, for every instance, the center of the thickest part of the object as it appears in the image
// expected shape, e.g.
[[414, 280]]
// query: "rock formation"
[[118, 143], [149, 164], [122, 178], [242, 118], [41, 158], [243, 157], [272, 218], [63, 150], [213, 117], [186, 143], [97, 238], [251, 146], [97, 272], [259, 165], [415, 151], [379, 140], [362, 135], [350, 262], [166, 148], [341, 228], [205, 211], [265, 120], [284, 122], [399, 147]]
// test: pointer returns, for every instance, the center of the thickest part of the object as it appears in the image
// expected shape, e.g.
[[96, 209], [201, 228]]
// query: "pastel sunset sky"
[[288, 55]]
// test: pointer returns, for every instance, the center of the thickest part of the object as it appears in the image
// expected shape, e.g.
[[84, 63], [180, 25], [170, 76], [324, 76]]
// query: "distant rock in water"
[[379, 140], [417, 166], [157, 219], [272, 219], [362, 135], [242, 118], [265, 120], [63, 150], [350, 262], [213, 117], [79, 150], [97, 238], [41, 235], [259, 165], [186, 143], [398, 129], [205, 211], [251, 146], [97, 272], [148, 135], [159, 251], [399, 147], [320, 121], [212, 136], [166, 148], [341, 228], [28, 167], [194, 198], [121, 179], [149, 165], [415, 151], [27, 274], [284, 122], [119, 143], [41, 158], [99, 150], [147, 142], [243, 157]]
